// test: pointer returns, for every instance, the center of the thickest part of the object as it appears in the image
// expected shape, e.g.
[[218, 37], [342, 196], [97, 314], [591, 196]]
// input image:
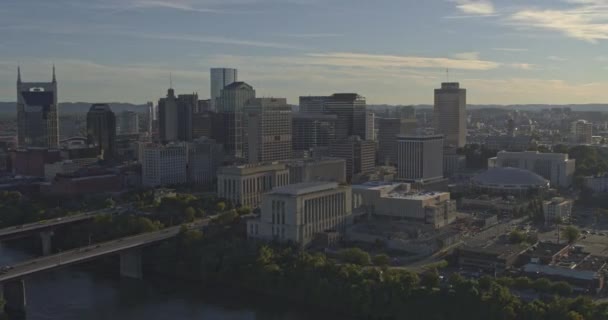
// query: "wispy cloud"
[[475, 7], [580, 19], [510, 49], [467, 55], [556, 58], [310, 35]]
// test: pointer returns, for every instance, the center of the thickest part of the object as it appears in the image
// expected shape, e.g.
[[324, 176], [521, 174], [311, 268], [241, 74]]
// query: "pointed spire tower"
[[18, 74], [54, 78]]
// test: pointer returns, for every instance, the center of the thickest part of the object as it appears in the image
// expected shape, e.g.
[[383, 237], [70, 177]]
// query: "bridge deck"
[[89, 252]]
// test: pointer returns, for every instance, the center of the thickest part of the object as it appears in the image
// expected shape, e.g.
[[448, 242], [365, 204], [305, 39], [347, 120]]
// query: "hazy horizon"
[[390, 51]]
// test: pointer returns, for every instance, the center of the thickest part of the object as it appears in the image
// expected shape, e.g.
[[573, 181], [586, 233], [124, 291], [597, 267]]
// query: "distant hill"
[[9, 108]]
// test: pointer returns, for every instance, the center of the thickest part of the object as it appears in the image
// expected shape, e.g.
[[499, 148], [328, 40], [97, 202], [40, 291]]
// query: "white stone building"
[[297, 213], [164, 165], [244, 185]]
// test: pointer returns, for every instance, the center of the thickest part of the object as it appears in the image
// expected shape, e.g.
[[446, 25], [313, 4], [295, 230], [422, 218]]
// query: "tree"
[[430, 279], [227, 217], [561, 288], [220, 206], [109, 203], [355, 256], [571, 233], [189, 214], [517, 237], [382, 260], [542, 285], [243, 211]]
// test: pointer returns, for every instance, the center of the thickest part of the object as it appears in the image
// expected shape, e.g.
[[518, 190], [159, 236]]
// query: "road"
[[90, 252], [17, 231]]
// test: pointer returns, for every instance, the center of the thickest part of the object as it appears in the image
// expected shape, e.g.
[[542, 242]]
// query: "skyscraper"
[[420, 158], [186, 103], [360, 155], [128, 122], [167, 117], [268, 130], [450, 114], [582, 131], [37, 124], [220, 78], [312, 130], [313, 104], [388, 130], [101, 129], [230, 105]]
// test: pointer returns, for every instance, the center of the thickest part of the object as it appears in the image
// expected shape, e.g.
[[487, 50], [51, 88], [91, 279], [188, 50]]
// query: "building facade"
[[351, 111], [420, 158], [167, 117], [582, 132], [186, 103], [398, 200], [323, 169], [360, 155], [244, 185], [313, 130], [555, 167], [205, 156], [450, 114], [37, 119], [388, 130], [128, 122], [232, 100], [101, 129], [268, 130], [557, 209], [297, 213], [220, 78], [164, 165]]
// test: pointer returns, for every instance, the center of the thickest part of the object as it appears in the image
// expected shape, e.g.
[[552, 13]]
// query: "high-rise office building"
[[220, 78], [128, 122], [232, 100], [186, 103], [351, 111], [388, 130], [450, 114], [313, 104], [420, 158], [101, 129], [151, 117], [205, 156], [37, 120], [267, 130], [350, 108], [370, 126], [163, 165], [360, 155], [167, 117], [582, 131], [313, 130]]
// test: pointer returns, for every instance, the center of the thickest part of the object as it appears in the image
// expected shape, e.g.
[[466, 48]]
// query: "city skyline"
[[546, 51]]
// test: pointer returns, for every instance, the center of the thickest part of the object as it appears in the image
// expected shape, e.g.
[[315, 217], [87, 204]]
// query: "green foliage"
[[220, 206], [355, 256], [381, 260], [227, 217], [243, 211], [571, 233], [561, 288], [430, 279], [517, 237]]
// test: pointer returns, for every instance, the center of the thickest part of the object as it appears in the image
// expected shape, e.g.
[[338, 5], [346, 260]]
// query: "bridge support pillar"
[[130, 264], [13, 293], [47, 245]]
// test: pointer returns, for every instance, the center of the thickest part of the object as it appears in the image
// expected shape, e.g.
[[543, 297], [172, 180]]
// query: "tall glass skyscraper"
[[220, 78]]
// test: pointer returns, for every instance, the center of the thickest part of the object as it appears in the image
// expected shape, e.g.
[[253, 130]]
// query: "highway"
[[62, 259], [20, 230]]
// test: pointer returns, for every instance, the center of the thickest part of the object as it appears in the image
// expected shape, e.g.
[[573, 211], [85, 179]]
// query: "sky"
[[390, 51]]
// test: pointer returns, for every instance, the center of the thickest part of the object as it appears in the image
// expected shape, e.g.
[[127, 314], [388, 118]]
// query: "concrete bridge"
[[46, 228], [12, 277]]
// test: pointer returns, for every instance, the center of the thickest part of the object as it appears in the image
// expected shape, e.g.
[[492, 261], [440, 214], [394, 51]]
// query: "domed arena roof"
[[510, 178]]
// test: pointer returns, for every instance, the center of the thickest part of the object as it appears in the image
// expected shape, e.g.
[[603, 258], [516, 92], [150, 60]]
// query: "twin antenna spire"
[[19, 74]]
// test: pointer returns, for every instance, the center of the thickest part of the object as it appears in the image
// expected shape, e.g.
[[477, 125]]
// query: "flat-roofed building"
[[388, 130], [399, 201], [360, 155], [244, 185], [420, 158], [164, 165], [555, 167], [312, 130], [557, 209], [299, 212], [323, 169]]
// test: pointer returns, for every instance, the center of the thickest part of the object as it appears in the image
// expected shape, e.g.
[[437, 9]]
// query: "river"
[[76, 294]]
